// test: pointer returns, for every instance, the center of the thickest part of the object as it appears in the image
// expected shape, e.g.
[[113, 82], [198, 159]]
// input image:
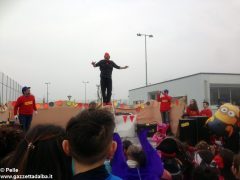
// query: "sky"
[[56, 40]]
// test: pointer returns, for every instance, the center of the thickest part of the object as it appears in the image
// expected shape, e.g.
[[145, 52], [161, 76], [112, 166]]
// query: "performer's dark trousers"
[[165, 117], [106, 88], [25, 121]]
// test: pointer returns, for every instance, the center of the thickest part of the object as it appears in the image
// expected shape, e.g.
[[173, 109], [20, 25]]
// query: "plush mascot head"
[[225, 120]]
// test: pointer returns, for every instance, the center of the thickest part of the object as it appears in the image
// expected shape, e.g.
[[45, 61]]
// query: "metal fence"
[[9, 89]]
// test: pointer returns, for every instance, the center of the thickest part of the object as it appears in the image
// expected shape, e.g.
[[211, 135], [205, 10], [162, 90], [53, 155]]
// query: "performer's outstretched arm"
[[125, 67], [94, 64]]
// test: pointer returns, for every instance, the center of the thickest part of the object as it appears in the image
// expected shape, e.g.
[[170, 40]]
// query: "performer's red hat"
[[106, 54]]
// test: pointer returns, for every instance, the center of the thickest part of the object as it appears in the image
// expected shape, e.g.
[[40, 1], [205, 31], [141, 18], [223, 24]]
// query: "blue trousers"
[[25, 121]]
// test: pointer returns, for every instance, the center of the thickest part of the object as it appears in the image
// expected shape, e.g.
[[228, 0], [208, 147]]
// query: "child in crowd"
[[223, 161], [90, 142], [161, 133], [203, 158], [135, 157], [141, 169], [126, 144], [169, 150], [205, 173], [9, 139], [40, 152]]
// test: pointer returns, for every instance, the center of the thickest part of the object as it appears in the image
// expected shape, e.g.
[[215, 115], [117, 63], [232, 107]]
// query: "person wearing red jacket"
[[165, 105], [192, 109], [24, 108], [206, 110]]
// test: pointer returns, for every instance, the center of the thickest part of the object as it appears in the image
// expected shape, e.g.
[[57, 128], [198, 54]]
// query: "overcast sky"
[[56, 40]]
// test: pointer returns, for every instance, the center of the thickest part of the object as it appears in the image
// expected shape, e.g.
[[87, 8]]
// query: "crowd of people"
[[88, 149]]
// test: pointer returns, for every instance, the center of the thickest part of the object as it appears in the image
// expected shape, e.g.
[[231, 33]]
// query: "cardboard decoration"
[[38, 106], [80, 105], [176, 112], [150, 114], [132, 118], [125, 129], [125, 118], [69, 103], [13, 103], [59, 103], [45, 106]]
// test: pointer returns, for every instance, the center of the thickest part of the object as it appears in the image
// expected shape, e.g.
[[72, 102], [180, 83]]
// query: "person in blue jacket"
[[153, 168], [89, 142]]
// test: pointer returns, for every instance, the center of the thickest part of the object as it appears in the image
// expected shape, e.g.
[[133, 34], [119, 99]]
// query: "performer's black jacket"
[[106, 68]]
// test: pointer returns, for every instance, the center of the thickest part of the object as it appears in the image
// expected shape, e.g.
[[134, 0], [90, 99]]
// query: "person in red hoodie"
[[165, 105], [24, 108], [206, 110], [192, 109]]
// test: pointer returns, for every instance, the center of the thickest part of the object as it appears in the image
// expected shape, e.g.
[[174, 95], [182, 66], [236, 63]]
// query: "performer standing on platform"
[[106, 67], [206, 110], [165, 105], [24, 107]]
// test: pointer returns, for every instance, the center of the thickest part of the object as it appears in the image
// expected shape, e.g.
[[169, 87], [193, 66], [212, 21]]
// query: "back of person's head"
[[40, 152], [168, 147], [205, 173], [202, 145], [10, 138], [126, 144], [236, 166], [89, 136], [136, 153], [223, 161], [203, 158], [92, 105]]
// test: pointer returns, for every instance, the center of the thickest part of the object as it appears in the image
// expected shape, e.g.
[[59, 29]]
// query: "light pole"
[[85, 83], [145, 38], [47, 83]]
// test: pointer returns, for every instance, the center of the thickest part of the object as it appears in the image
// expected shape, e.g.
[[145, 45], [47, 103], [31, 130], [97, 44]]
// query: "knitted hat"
[[168, 147]]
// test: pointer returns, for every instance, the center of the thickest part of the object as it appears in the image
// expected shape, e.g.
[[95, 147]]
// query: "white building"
[[212, 87]]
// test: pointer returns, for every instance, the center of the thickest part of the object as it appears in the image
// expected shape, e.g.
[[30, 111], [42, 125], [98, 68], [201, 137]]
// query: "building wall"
[[194, 87]]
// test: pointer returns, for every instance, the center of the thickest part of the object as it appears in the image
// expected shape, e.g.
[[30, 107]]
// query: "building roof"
[[185, 77]]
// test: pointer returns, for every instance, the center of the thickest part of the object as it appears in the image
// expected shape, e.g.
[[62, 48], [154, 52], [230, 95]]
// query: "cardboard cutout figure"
[[177, 110], [149, 114]]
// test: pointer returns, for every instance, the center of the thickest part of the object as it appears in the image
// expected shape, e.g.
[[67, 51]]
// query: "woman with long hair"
[[40, 152], [192, 109]]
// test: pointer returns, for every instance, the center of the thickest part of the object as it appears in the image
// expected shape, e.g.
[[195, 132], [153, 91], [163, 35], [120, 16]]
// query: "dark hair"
[[236, 162], [202, 145], [90, 134], [10, 138], [207, 103], [205, 173], [206, 157], [126, 144], [92, 105], [166, 91], [227, 156], [193, 106], [137, 154], [41, 153]]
